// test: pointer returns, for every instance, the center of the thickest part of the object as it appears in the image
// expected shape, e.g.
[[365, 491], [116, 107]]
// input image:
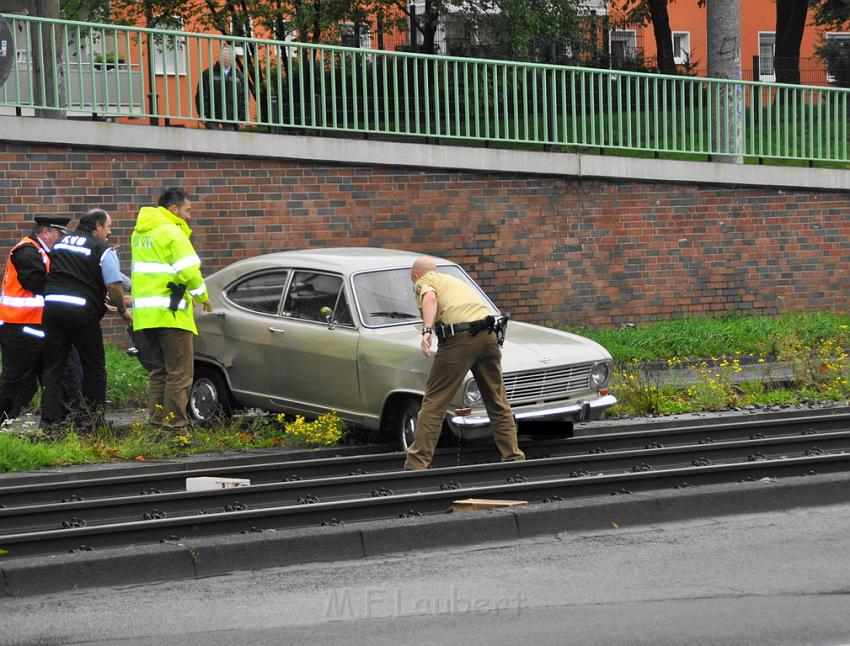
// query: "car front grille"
[[548, 383]]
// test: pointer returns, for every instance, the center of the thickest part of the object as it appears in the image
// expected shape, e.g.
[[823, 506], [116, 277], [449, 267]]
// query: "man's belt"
[[446, 331]]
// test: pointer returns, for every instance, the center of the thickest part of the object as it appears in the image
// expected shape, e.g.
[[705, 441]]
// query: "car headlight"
[[471, 394], [600, 374]]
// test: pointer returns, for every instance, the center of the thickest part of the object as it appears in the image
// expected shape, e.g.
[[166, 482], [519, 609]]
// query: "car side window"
[[260, 293], [313, 297], [342, 313]]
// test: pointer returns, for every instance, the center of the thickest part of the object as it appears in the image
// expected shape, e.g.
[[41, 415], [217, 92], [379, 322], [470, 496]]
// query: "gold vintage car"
[[338, 329]]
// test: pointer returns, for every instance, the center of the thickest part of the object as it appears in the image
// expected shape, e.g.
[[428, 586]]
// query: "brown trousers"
[[171, 379], [454, 358]]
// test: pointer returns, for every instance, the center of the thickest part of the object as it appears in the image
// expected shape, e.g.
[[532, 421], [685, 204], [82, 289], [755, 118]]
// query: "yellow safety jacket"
[[162, 254]]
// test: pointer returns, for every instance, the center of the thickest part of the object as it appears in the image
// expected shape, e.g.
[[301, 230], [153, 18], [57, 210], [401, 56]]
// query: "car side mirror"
[[327, 313]]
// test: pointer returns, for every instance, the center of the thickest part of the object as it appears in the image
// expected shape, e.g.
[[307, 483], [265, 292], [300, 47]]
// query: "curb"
[[211, 556]]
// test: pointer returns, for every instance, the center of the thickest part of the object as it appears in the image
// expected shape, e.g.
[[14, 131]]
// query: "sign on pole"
[[7, 51]]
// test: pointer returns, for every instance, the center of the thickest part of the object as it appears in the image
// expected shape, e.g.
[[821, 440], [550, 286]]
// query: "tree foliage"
[[833, 14], [542, 31]]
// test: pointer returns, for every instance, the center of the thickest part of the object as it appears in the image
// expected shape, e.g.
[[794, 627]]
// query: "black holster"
[[500, 326], [177, 293]]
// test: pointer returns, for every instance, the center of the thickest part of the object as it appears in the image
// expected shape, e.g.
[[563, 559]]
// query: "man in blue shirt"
[[84, 271]]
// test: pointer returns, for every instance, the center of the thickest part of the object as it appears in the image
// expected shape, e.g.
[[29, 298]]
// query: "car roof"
[[345, 260]]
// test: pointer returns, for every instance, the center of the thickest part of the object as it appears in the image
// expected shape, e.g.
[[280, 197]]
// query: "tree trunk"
[[790, 23], [46, 61], [726, 100], [663, 36], [430, 22], [153, 108]]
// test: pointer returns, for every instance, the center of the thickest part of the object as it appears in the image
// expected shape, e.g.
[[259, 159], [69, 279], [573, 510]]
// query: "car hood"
[[527, 346], [533, 346]]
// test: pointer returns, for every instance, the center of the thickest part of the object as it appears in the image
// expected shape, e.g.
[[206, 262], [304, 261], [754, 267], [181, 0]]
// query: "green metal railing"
[[118, 71]]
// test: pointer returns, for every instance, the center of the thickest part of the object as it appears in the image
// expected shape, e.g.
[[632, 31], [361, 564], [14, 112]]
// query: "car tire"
[[209, 397], [405, 422]]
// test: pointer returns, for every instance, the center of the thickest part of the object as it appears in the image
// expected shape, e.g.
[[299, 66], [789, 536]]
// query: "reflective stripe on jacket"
[[19, 305], [162, 254]]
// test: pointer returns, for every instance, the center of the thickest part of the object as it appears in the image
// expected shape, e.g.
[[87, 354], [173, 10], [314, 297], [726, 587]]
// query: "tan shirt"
[[457, 302]]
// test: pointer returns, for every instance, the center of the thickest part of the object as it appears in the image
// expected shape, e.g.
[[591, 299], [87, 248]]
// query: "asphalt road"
[[776, 578]]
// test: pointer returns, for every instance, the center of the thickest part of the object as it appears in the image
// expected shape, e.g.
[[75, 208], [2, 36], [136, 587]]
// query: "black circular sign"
[[7, 51]]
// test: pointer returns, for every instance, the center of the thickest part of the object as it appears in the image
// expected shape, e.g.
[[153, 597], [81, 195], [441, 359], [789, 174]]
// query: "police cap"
[[56, 221]]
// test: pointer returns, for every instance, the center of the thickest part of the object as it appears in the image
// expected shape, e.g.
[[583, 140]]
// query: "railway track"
[[144, 480], [355, 488]]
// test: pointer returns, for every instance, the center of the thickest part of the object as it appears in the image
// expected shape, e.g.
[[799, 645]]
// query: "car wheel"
[[405, 427], [209, 397]]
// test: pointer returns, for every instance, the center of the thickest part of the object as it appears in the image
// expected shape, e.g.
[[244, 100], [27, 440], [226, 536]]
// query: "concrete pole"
[[726, 101]]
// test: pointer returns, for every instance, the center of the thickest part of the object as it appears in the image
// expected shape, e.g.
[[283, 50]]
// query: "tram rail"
[[587, 466]]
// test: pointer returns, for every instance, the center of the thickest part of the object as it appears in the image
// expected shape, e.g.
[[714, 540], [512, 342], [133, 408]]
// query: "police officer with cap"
[[22, 335], [454, 312], [84, 270]]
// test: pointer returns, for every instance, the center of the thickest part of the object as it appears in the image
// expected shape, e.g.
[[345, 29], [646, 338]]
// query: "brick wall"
[[549, 249]]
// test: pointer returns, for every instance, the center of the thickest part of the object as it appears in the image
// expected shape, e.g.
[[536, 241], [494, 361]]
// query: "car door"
[[256, 302], [311, 361]]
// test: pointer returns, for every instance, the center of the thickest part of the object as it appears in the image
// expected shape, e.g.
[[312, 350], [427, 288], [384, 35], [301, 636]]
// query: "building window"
[[169, 54], [623, 46], [681, 47], [351, 37], [767, 46]]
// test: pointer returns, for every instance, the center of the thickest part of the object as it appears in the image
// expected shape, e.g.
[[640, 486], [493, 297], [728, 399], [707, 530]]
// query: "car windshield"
[[386, 297]]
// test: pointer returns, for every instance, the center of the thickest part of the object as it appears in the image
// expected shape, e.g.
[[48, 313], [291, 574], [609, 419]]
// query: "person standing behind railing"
[[221, 94]]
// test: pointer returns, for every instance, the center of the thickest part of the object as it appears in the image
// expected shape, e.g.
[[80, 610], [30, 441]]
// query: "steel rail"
[[279, 470], [384, 507], [190, 503]]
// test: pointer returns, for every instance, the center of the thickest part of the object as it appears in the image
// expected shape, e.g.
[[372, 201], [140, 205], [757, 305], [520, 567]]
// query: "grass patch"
[[141, 443], [126, 379], [811, 348], [712, 337]]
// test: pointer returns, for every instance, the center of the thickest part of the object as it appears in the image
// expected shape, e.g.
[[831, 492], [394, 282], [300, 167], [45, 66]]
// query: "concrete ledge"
[[161, 139], [223, 554], [628, 510], [220, 555], [125, 565], [427, 532]]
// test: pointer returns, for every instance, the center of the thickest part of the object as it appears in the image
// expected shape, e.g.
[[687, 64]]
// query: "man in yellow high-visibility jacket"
[[166, 280]]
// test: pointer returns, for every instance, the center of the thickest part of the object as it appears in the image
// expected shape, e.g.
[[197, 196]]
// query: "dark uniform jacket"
[[213, 82], [32, 273], [75, 278]]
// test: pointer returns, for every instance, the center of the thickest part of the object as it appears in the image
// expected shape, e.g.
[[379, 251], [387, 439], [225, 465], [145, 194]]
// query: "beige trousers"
[[454, 358], [171, 379]]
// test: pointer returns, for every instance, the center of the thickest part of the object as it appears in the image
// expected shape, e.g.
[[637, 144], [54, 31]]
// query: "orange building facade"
[[757, 37]]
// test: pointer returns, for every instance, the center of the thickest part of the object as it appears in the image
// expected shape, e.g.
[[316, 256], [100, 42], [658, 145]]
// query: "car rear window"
[[259, 293]]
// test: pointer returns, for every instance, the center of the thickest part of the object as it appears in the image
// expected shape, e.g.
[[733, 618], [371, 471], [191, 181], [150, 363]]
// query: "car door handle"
[[276, 330]]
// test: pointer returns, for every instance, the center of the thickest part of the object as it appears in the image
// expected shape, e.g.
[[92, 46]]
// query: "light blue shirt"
[[109, 267]]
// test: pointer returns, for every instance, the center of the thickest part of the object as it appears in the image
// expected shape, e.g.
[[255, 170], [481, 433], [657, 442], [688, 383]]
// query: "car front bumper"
[[580, 410]]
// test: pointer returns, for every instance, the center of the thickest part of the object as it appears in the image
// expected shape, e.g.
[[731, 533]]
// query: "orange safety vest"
[[19, 305]]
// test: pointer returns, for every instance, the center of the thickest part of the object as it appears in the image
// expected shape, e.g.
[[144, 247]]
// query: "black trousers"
[[22, 357], [68, 327]]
